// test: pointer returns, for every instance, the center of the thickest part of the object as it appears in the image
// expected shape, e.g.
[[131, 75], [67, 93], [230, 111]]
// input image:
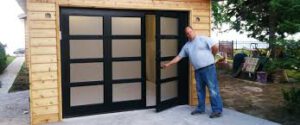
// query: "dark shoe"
[[195, 112], [215, 115]]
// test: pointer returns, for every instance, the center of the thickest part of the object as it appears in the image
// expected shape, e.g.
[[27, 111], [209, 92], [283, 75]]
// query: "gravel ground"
[[14, 108]]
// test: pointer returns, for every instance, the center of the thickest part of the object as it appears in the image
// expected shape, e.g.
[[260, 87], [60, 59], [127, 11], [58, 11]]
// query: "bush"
[[292, 100], [2, 58], [288, 58], [290, 55]]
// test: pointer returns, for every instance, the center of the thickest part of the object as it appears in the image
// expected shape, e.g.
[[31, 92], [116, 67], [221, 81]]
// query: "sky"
[[11, 27], [13, 35], [240, 40]]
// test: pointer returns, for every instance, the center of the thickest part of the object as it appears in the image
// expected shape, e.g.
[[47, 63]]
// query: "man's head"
[[189, 32]]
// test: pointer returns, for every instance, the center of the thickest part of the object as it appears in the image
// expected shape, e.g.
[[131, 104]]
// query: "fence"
[[229, 47], [226, 47], [249, 45]]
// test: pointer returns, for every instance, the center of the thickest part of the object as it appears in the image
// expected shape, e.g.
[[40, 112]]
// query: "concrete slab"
[[13, 105], [179, 115], [13, 108], [10, 73]]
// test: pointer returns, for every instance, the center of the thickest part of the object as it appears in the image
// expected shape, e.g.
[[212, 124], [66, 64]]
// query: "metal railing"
[[229, 47]]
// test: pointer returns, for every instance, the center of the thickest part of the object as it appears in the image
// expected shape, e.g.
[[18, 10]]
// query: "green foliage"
[[292, 100], [290, 58], [219, 15], [243, 50], [2, 57], [265, 20], [272, 65], [293, 74]]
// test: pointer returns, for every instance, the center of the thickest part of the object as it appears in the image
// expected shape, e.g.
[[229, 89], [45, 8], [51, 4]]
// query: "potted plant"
[[276, 68]]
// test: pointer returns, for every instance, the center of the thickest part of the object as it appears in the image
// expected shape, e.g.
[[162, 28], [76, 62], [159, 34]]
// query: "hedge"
[[2, 57]]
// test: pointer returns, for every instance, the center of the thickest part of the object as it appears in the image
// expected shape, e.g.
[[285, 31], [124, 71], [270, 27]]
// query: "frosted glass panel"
[[83, 49], [169, 90], [86, 25], [169, 47], [82, 72], [168, 72], [126, 48], [168, 26], [126, 92], [86, 95], [126, 26], [126, 69]]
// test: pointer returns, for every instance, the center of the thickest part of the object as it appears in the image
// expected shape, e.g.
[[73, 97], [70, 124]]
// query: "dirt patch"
[[21, 82], [267, 103]]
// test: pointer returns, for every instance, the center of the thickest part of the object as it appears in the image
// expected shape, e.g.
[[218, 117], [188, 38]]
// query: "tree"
[[265, 20], [269, 21]]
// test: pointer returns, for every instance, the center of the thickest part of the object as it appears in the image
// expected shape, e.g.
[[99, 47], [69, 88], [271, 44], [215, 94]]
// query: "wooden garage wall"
[[27, 55], [44, 47], [43, 69]]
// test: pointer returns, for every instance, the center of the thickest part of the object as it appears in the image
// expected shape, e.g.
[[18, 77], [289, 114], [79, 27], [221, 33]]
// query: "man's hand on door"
[[163, 66]]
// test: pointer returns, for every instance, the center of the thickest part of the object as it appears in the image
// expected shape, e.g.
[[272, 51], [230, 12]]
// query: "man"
[[201, 51]]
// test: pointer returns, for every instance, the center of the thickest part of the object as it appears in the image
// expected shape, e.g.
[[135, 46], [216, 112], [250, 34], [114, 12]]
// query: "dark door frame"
[[182, 73], [108, 106]]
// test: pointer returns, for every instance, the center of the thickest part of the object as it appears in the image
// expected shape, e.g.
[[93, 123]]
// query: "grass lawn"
[[22, 81], [293, 74], [236, 51], [9, 59]]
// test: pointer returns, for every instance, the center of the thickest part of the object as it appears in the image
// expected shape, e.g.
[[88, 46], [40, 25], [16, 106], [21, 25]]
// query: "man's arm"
[[213, 45], [214, 49], [173, 61]]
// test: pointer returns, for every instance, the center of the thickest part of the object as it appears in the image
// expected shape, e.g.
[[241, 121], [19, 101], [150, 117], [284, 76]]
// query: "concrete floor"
[[13, 106], [179, 115], [10, 73]]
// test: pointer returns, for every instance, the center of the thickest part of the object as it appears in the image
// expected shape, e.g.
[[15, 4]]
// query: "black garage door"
[[103, 60]]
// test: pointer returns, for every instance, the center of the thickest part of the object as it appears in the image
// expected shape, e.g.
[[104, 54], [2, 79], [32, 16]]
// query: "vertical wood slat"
[[59, 79]]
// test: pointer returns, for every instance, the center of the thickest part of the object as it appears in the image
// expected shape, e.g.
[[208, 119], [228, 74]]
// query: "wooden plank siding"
[[44, 95], [44, 48], [27, 55]]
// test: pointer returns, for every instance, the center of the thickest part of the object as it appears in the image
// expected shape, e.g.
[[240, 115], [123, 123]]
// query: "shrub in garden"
[[2, 58], [289, 59], [292, 100]]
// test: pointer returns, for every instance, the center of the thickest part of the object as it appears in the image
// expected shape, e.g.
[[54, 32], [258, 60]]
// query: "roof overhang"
[[22, 4]]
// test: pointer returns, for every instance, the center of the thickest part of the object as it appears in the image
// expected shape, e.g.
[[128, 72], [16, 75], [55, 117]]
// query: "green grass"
[[248, 52], [9, 59], [230, 60], [293, 74]]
